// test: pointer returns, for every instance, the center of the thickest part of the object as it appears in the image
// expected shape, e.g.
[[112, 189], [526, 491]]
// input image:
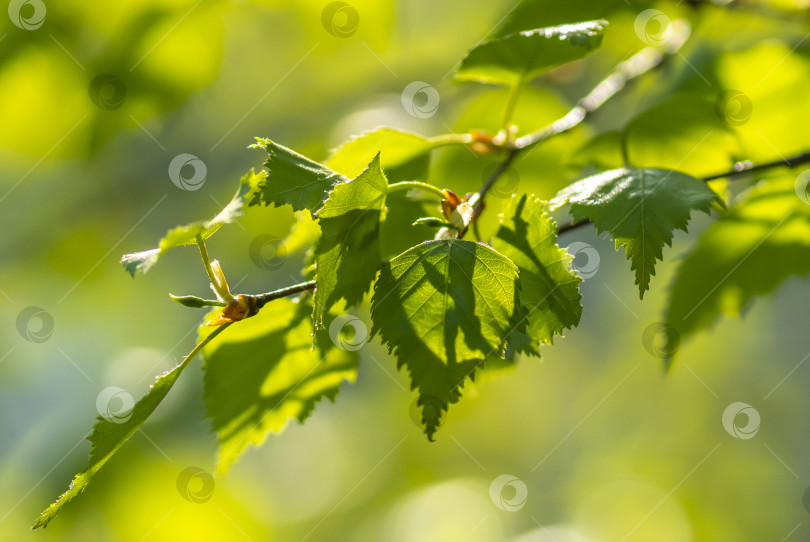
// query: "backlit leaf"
[[515, 59], [347, 255], [187, 235], [442, 307], [641, 208]]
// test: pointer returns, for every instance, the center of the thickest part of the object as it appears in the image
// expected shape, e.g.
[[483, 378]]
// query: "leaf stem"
[[511, 101], [416, 185], [206, 259], [746, 167], [451, 139], [263, 299]]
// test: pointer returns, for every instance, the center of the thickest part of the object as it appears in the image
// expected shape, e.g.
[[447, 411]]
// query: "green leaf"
[[601, 152], [195, 302], [528, 14], [265, 373], [641, 208], [293, 179], [549, 290], [303, 233], [442, 307], [515, 59], [682, 133], [109, 435], [347, 255], [748, 252], [187, 235], [405, 156]]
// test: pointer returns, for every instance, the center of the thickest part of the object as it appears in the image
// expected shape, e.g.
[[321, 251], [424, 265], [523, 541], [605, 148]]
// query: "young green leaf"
[[265, 373], [194, 302], [405, 156], [442, 307], [549, 290], [109, 434], [682, 132], [293, 179], [641, 208], [748, 252], [347, 255], [515, 59], [187, 235]]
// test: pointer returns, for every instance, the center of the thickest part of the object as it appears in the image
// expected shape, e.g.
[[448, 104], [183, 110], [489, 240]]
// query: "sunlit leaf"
[[347, 255], [265, 372], [293, 179], [641, 208], [681, 133], [404, 156], [112, 431], [549, 290], [515, 59], [187, 235], [442, 307], [749, 252]]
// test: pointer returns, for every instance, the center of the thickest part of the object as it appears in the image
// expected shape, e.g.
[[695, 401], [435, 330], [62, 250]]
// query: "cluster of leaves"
[[448, 306]]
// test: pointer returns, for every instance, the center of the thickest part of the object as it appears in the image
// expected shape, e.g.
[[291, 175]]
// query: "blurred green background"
[[607, 447]]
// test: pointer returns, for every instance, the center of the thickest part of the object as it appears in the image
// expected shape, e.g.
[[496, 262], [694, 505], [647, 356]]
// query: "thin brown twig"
[[263, 299], [637, 65]]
